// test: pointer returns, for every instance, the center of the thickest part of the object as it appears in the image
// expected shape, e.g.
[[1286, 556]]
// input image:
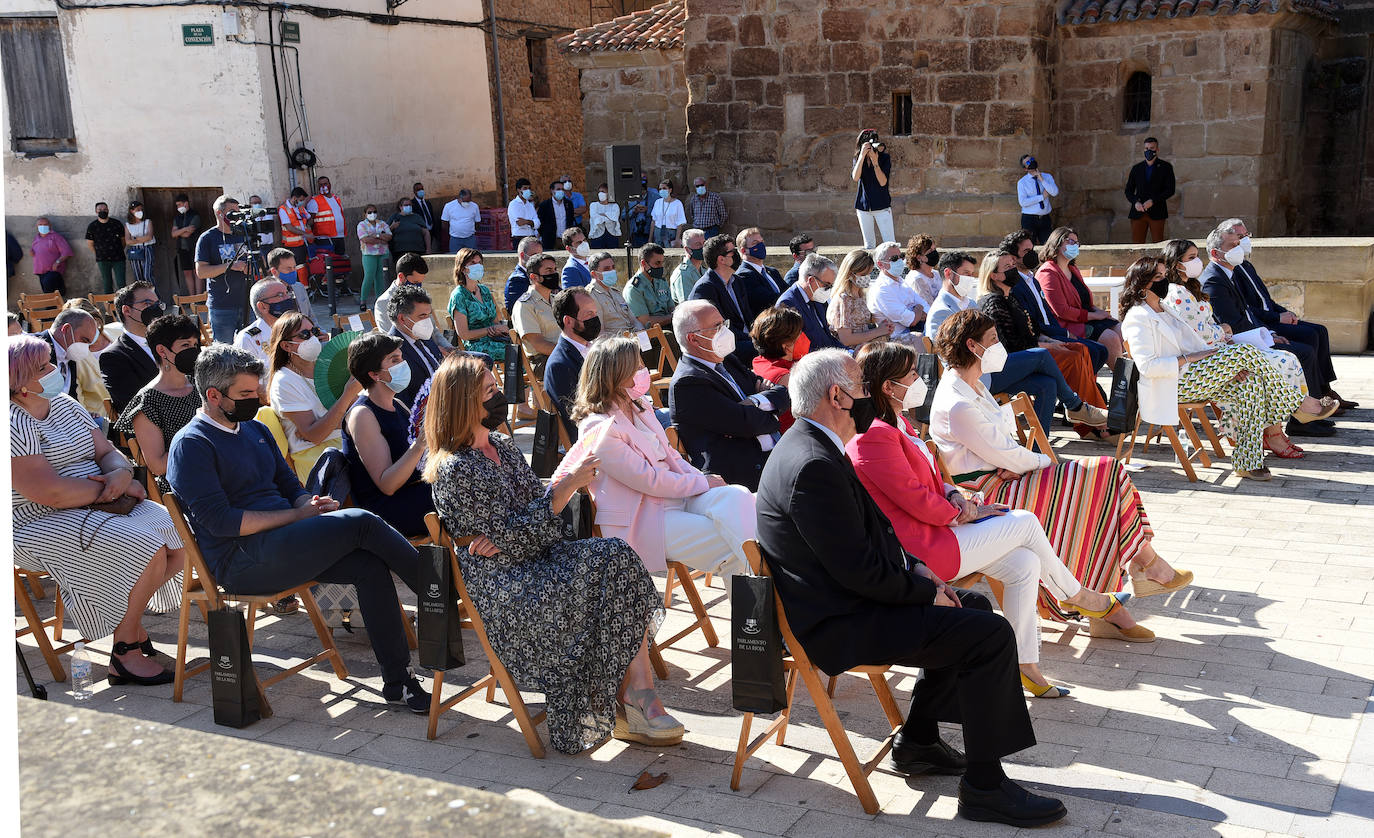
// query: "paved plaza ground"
[[1245, 718]]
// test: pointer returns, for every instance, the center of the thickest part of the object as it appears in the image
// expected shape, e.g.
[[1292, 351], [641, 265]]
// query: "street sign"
[[197, 34], [290, 32]]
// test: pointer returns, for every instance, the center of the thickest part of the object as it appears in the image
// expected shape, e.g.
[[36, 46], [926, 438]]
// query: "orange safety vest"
[[297, 218], [323, 221]]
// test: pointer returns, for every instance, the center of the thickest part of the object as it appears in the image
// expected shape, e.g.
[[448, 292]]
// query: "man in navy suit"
[[801, 246], [555, 215], [129, 364], [727, 423], [718, 287], [1032, 299], [411, 310], [761, 284], [809, 295], [576, 271], [519, 281], [579, 322]]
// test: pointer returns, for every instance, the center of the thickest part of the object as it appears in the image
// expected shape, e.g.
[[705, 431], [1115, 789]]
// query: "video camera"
[[250, 222]]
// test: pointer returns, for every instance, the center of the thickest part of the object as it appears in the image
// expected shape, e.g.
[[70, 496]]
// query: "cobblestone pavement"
[[1243, 719]]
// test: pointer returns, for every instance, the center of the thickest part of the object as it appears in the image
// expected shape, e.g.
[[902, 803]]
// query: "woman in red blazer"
[[955, 535], [1069, 297], [778, 336]]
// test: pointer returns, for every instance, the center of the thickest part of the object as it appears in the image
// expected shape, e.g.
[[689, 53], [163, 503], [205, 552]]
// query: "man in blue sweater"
[[260, 532]]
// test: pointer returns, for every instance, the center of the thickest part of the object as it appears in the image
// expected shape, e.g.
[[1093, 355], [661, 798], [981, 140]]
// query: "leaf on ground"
[[647, 781]]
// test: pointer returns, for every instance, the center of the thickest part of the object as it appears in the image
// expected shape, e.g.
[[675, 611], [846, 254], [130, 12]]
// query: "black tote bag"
[[438, 627], [544, 459], [757, 680], [1123, 404], [514, 372], [233, 683], [928, 369]]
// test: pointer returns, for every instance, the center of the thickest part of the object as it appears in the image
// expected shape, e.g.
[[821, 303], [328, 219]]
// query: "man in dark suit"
[[424, 208], [761, 284], [71, 327], [809, 295], [1032, 298], [519, 281], [801, 246], [411, 310], [724, 419], [579, 322], [555, 216], [853, 597], [718, 287], [130, 364], [1149, 186]]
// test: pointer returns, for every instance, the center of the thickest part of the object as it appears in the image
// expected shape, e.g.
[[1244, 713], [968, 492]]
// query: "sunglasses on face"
[[308, 334]]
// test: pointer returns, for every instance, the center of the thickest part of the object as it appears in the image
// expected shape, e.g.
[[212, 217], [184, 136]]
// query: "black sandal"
[[147, 647], [119, 676]]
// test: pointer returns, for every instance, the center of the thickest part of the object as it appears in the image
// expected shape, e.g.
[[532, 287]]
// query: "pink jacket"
[[630, 489]]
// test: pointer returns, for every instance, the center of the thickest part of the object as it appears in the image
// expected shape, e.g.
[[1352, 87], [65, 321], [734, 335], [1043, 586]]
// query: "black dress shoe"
[[1009, 804], [1318, 427], [936, 758]]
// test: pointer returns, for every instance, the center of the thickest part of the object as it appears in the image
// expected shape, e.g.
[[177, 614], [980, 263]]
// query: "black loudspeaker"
[[622, 171]]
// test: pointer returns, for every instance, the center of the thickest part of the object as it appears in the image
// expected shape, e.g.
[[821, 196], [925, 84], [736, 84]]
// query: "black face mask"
[[549, 281], [496, 411], [243, 409], [151, 313], [185, 360], [862, 412], [734, 260], [933, 257], [281, 307], [696, 253], [1150, 154], [1011, 277], [656, 273], [588, 329], [103, 214], [1160, 288], [1030, 260]]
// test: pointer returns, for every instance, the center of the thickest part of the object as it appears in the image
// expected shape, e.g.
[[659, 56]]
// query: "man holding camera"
[[1034, 190], [221, 262]]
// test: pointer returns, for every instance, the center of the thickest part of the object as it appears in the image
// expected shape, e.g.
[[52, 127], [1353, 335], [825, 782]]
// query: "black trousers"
[[1039, 226], [1314, 336]]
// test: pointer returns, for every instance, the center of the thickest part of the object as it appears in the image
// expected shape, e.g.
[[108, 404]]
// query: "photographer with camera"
[[872, 168], [223, 259]]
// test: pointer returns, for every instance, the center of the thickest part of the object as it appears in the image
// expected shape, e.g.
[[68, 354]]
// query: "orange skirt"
[[1076, 364]]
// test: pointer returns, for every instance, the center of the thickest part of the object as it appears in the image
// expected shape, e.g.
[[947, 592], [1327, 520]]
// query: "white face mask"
[[967, 286], [372, 216], [582, 250], [723, 343], [1235, 255], [821, 295], [915, 394], [138, 214], [309, 349], [1193, 267], [1248, 245], [994, 358], [79, 351], [182, 210], [601, 196], [423, 329]]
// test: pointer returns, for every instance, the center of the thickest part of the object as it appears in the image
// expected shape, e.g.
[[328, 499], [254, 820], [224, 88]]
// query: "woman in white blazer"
[[1175, 364]]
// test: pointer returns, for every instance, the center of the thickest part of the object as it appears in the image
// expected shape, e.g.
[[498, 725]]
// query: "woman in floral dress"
[[473, 310]]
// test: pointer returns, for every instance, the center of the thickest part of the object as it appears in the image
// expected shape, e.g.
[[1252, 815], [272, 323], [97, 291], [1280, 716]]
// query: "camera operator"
[[222, 261], [872, 168]]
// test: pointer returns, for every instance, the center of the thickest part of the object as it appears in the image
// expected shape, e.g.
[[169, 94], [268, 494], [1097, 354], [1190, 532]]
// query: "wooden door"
[[159, 203]]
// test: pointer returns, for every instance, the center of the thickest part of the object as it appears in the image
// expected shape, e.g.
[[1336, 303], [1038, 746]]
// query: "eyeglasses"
[[863, 388], [724, 324]]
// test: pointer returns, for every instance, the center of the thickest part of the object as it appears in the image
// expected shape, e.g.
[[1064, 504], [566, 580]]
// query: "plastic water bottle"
[[81, 673]]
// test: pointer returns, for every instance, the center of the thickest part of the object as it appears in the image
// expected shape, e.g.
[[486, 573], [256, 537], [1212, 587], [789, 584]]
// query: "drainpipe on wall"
[[500, 111]]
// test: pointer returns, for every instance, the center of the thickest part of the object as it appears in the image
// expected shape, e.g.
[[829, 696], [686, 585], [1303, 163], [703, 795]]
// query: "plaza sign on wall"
[[197, 34]]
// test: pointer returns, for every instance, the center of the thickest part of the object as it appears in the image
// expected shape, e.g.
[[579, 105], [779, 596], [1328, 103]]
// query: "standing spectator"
[[50, 253], [533, 313], [668, 216], [295, 225], [847, 314], [424, 209], [472, 308], [461, 215], [519, 281], [708, 210], [1069, 297], [958, 290], [1033, 191], [575, 270], [810, 295], [717, 286], [579, 323], [185, 225], [639, 215], [800, 246], [555, 216], [138, 243], [649, 297], [890, 300], [922, 274], [1149, 187], [616, 317], [760, 283], [873, 204], [106, 237], [605, 220], [130, 363], [219, 261], [271, 300], [690, 269], [408, 233], [522, 212], [374, 236], [326, 215], [579, 201]]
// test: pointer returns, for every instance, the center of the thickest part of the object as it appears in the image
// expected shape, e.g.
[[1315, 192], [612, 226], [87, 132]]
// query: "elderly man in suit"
[[809, 295], [727, 422], [130, 363], [720, 287], [853, 597]]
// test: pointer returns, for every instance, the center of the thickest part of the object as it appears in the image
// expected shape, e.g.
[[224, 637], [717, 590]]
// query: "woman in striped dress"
[[1089, 508], [109, 567]]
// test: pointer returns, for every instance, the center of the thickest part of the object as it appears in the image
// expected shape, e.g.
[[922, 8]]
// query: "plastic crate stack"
[[493, 230]]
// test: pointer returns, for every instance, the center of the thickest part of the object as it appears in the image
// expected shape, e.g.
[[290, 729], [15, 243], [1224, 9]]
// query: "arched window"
[[1135, 102]]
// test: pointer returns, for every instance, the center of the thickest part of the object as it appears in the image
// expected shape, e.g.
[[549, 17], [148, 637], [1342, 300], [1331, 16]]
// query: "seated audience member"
[[519, 280], [760, 283], [411, 269], [781, 342], [892, 301], [645, 492], [165, 404], [412, 312], [533, 315], [282, 266], [719, 286], [1188, 302], [648, 294], [260, 532], [958, 289], [472, 308], [958, 535], [809, 296], [727, 422], [691, 268], [616, 317], [575, 271], [1177, 366], [1069, 297], [800, 246], [847, 314], [1088, 506], [581, 324], [90, 387], [922, 269], [1241, 300], [129, 363], [853, 597], [72, 331], [270, 299], [111, 568], [567, 618], [383, 465], [309, 427], [1032, 298], [1049, 372]]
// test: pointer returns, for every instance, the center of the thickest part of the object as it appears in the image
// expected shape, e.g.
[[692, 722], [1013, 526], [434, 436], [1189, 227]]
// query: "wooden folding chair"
[[498, 675], [40, 320], [1185, 460], [194, 305], [1033, 433], [342, 322], [39, 627], [198, 587], [797, 663], [105, 302], [136, 454], [662, 375], [36, 302]]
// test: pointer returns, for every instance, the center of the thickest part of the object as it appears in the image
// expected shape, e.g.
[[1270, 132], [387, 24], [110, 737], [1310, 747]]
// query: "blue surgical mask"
[[475, 271], [701, 190], [53, 385], [44, 229], [419, 193], [609, 277], [527, 194], [558, 194], [400, 377], [1071, 251], [288, 276]]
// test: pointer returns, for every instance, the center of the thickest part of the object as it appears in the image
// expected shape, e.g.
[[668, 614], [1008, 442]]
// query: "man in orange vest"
[[295, 225], [326, 216]]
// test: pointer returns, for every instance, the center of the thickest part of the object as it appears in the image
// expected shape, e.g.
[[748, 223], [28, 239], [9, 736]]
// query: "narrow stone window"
[[538, 51], [1135, 101], [901, 114]]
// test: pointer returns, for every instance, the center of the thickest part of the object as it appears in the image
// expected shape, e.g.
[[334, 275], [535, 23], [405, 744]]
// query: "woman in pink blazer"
[[1069, 297], [955, 535], [645, 491]]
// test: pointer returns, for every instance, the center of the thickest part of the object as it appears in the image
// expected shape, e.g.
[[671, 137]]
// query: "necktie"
[[427, 356], [1259, 292]]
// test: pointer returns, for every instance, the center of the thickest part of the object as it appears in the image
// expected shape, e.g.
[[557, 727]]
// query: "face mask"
[[44, 229], [994, 358], [183, 210], [527, 194], [1011, 277], [863, 413], [549, 281], [281, 307], [185, 360], [400, 377], [1030, 260], [933, 258], [1070, 251], [1150, 154], [406, 209], [695, 253], [423, 329], [309, 349], [656, 273], [1160, 288], [822, 295], [419, 193], [1235, 255], [151, 313], [758, 250], [723, 343], [558, 194], [103, 214], [641, 385], [582, 251], [138, 214], [79, 351], [967, 286], [257, 205], [475, 271], [701, 190], [567, 185], [609, 278], [324, 190], [372, 216], [601, 196], [52, 385], [496, 411], [666, 193], [1248, 245], [915, 395], [1193, 267], [588, 329], [242, 410], [734, 260]]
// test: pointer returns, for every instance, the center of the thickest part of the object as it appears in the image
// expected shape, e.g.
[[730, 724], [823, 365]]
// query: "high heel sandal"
[[631, 725], [1098, 627], [1043, 690], [119, 676], [1292, 452], [1329, 410], [1118, 600], [1144, 586]]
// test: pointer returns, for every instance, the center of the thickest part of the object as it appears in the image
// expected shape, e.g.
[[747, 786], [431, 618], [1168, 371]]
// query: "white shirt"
[[894, 302], [560, 218], [292, 393], [1039, 295], [520, 208], [669, 214], [1035, 198], [431, 364], [61, 353], [605, 219], [462, 218], [254, 344], [582, 348], [974, 432], [137, 229]]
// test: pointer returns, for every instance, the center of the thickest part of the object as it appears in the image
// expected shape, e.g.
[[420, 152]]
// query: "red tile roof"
[[657, 27], [1111, 11]]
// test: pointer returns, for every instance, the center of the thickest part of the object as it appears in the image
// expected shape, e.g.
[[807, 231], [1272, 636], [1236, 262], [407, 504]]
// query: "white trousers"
[[882, 219], [1013, 549], [709, 530]]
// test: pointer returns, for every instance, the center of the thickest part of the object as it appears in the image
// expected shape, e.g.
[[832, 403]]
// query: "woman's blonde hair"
[[89, 307], [987, 269], [599, 389], [453, 409], [857, 263]]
